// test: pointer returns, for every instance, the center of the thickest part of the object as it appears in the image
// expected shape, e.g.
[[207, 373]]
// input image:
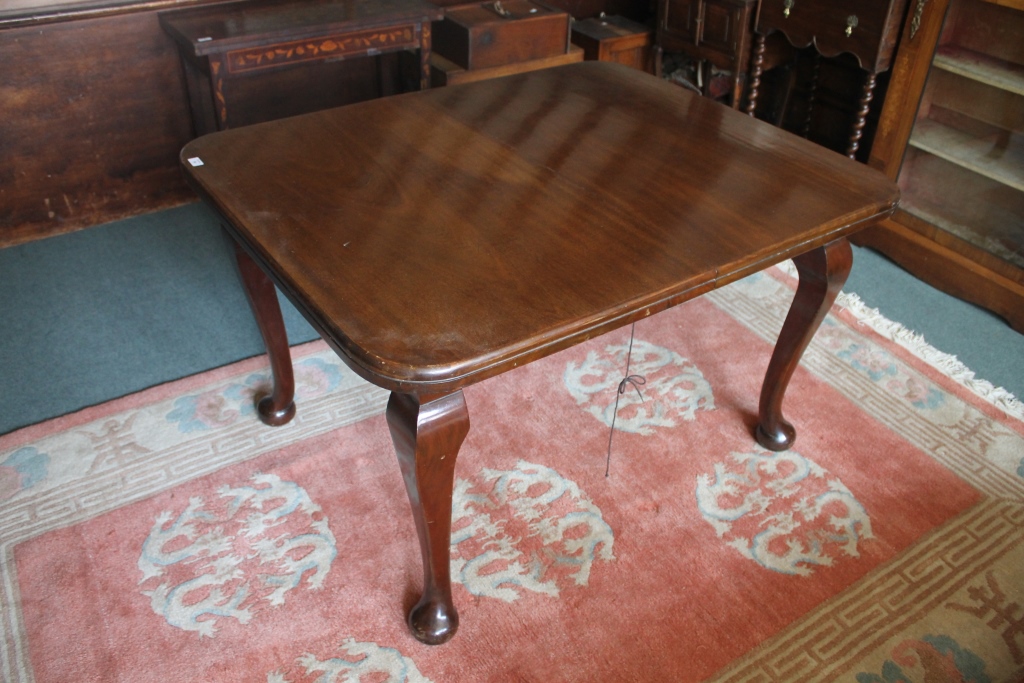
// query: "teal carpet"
[[97, 314]]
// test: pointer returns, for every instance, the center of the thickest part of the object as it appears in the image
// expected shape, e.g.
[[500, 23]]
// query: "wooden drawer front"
[[614, 39], [638, 57], [328, 47], [721, 25], [477, 37], [824, 22], [681, 19]]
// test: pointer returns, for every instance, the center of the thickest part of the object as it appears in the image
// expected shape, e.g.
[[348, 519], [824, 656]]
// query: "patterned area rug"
[[169, 536]]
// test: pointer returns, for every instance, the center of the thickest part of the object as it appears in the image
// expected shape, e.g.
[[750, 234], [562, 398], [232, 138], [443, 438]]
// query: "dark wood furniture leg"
[[279, 407], [425, 48], [823, 272], [737, 84], [863, 108], [756, 69], [427, 432], [812, 92]]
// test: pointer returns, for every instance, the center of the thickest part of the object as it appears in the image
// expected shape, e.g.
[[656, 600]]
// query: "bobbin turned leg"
[[822, 272], [860, 120], [279, 407], [427, 433], [756, 69]]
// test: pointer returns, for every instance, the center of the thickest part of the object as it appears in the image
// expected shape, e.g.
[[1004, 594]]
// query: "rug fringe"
[[946, 363], [915, 343]]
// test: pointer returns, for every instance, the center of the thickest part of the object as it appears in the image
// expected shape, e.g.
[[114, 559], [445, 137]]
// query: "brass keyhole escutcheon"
[[851, 23], [787, 5]]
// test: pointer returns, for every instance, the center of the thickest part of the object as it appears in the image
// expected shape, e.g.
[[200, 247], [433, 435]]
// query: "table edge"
[[446, 378]]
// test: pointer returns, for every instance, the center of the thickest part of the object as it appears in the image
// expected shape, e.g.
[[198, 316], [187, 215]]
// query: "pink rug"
[[169, 536]]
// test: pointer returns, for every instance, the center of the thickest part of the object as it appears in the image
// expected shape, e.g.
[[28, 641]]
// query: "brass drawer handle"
[[787, 5], [851, 23]]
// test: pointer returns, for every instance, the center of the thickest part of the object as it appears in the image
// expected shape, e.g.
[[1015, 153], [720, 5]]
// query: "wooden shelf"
[[981, 155], [980, 67]]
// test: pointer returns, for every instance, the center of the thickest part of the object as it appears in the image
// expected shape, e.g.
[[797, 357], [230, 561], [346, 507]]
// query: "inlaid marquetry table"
[[224, 43], [439, 238]]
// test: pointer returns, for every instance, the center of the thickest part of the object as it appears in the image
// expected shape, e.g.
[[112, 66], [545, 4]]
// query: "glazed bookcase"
[[952, 134]]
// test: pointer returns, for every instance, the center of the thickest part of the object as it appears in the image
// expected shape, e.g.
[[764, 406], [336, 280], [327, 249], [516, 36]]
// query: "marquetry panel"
[[338, 46]]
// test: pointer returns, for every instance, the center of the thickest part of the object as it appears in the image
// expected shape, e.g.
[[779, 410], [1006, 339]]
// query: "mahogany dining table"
[[438, 238]]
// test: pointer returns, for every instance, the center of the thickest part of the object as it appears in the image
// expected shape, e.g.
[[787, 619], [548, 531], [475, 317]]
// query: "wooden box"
[[498, 33], [614, 39]]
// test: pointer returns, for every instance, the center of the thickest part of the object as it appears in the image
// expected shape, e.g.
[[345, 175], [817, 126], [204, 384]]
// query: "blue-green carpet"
[[96, 314]]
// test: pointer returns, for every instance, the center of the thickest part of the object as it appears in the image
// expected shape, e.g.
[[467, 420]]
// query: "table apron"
[[340, 46]]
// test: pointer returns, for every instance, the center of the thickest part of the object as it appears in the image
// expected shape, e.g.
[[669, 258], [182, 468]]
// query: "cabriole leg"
[[279, 407], [823, 272], [427, 433]]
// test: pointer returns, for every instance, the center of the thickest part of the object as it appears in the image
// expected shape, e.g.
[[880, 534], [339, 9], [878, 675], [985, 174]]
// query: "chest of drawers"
[[716, 32], [866, 29]]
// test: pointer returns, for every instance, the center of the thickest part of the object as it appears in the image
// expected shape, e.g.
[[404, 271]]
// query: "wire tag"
[[636, 381]]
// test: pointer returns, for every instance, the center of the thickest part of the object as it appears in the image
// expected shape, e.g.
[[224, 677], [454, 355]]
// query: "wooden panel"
[[95, 113], [303, 88], [721, 28], [681, 19], [18, 13], [990, 29], [975, 100]]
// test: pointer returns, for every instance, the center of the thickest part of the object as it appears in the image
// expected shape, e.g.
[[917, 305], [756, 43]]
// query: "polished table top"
[[438, 238]]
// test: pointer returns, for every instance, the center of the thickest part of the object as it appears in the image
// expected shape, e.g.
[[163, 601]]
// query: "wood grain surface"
[[442, 237]]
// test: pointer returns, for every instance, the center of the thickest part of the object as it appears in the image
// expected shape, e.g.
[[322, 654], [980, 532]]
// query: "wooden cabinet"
[[614, 39], [717, 32], [952, 134], [866, 29]]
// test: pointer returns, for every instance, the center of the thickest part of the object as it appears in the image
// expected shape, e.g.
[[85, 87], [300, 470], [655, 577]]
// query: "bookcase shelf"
[[985, 156], [980, 67], [952, 136]]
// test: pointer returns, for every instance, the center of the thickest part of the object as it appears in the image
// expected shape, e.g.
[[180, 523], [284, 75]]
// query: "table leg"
[[279, 407], [863, 108], [756, 69], [427, 433], [822, 272], [425, 47]]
